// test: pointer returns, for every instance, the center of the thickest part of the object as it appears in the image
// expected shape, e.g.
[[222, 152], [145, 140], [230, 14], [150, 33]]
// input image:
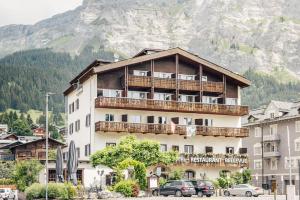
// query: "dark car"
[[178, 188], [203, 188]]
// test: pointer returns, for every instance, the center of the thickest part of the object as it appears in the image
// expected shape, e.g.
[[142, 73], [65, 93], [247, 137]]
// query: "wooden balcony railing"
[[169, 106], [170, 83], [167, 129]]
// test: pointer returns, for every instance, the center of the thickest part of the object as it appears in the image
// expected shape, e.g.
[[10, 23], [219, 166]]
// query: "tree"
[[176, 174], [29, 120], [6, 169], [147, 152], [21, 128], [26, 173], [246, 174]]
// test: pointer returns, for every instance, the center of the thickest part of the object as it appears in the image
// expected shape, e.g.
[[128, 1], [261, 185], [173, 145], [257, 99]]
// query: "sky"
[[32, 11]]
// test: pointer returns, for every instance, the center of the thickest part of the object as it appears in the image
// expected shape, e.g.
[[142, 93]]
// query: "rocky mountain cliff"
[[233, 33]]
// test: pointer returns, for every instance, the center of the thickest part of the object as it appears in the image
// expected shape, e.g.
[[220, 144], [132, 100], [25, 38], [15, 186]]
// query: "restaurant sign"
[[213, 159]]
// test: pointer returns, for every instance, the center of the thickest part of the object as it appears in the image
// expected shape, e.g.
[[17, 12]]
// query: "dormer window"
[[272, 115]]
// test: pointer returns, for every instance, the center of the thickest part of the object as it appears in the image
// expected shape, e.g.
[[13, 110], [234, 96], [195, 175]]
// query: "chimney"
[[116, 57]]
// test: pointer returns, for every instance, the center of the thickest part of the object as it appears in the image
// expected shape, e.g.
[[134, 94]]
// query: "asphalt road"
[[264, 197]]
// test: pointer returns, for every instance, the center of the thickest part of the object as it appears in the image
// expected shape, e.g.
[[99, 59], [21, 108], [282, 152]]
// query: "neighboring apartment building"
[[162, 96], [270, 162]]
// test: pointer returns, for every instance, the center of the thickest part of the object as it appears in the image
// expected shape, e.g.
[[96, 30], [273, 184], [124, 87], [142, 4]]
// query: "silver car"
[[244, 190]]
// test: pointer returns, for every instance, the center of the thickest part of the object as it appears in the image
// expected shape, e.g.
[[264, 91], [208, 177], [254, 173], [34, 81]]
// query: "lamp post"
[[47, 135]]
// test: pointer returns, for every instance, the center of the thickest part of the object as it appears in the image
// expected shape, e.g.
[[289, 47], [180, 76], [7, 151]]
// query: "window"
[[140, 73], [72, 107], [186, 77], [257, 149], [163, 96], [204, 78], [175, 148], [272, 115], [273, 164], [77, 125], [186, 98], [210, 100], [189, 174], [273, 129], [109, 93], [257, 164], [231, 101], [137, 95], [257, 132], [71, 130], [162, 75], [297, 123], [87, 150], [188, 121], [189, 149], [297, 144], [77, 104], [163, 147], [88, 120], [78, 152], [136, 119], [209, 149], [230, 150], [208, 122], [65, 156], [110, 144], [162, 120], [109, 117]]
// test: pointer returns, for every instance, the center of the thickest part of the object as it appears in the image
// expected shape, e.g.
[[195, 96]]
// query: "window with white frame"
[[109, 93], [162, 75], [163, 147], [210, 100], [109, 117], [186, 98], [208, 122], [186, 77], [162, 120], [293, 162], [273, 129], [297, 124], [204, 78], [257, 131], [137, 95], [163, 96], [189, 149], [231, 101], [140, 73], [187, 121], [257, 164], [297, 144], [88, 120], [257, 149], [273, 164], [136, 119]]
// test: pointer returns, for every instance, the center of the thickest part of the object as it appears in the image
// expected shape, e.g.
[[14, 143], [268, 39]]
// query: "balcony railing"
[[170, 83], [167, 129], [170, 106], [214, 160], [268, 154], [274, 137]]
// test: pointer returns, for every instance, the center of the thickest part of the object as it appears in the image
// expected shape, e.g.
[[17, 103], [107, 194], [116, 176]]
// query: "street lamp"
[[47, 135]]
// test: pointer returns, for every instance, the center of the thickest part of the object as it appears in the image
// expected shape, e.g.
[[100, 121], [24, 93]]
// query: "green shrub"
[[128, 188], [72, 190], [162, 181], [55, 191], [6, 181]]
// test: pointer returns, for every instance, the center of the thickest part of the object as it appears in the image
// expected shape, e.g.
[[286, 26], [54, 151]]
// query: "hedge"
[[128, 188]]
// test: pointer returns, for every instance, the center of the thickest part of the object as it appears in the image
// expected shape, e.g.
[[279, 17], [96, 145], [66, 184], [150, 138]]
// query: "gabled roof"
[[99, 66], [18, 143], [170, 52], [8, 135]]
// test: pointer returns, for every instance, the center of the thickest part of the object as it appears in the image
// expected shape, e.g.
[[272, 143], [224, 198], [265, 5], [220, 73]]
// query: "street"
[[264, 197]]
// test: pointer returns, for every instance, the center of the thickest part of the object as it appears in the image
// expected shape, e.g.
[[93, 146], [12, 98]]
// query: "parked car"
[[6, 193], [244, 190], [203, 188], [177, 187]]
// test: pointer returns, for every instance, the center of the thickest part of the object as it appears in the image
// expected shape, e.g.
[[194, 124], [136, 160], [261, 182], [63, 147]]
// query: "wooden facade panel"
[[187, 68], [144, 66], [111, 79], [231, 90], [165, 65]]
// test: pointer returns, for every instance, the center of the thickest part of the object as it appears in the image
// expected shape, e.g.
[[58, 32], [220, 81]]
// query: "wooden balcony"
[[170, 83], [167, 129], [169, 106]]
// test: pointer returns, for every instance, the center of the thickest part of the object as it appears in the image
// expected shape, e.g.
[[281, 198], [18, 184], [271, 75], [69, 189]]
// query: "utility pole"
[[289, 151], [262, 156], [47, 142], [299, 178]]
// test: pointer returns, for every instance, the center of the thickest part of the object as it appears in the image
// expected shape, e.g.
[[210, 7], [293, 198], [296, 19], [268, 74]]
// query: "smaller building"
[[3, 128], [35, 149], [40, 132], [271, 130]]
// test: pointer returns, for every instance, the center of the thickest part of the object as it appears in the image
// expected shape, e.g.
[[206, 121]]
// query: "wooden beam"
[[152, 80], [200, 79], [224, 90], [126, 81]]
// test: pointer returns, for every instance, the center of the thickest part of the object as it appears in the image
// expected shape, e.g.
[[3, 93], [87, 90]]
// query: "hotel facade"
[[186, 103]]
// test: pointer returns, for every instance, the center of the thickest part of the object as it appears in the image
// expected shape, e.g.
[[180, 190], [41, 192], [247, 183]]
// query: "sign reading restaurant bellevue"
[[214, 159]]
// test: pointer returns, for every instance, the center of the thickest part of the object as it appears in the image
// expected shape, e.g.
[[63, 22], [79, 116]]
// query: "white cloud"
[[32, 11]]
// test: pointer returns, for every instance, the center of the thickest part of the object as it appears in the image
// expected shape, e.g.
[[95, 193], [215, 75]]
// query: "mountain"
[[236, 34]]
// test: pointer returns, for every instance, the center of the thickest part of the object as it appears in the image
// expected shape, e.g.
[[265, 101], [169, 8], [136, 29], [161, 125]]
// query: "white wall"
[[86, 106]]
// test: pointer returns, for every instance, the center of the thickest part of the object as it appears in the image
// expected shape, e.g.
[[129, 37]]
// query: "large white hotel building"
[[144, 94]]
